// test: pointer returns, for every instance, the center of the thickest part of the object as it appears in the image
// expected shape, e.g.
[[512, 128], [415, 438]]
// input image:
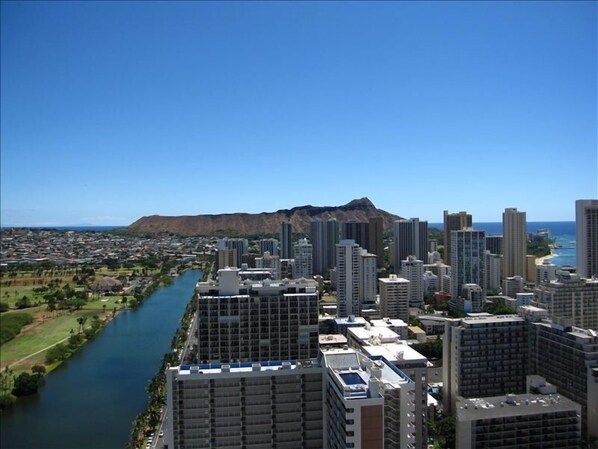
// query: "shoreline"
[[540, 260]]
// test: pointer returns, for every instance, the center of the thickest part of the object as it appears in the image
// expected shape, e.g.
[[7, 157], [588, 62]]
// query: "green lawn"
[[50, 328]]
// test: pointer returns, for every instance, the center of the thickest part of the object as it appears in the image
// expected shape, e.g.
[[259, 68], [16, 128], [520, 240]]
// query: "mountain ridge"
[[361, 209]]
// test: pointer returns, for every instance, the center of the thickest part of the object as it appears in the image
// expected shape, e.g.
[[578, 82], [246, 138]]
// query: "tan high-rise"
[[514, 244]]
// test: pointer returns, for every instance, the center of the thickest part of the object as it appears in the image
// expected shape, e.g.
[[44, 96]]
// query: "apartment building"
[[249, 320], [257, 405]]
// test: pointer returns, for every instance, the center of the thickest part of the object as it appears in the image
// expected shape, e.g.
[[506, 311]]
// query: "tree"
[[25, 385], [81, 320], [23, 303], [38, 370]]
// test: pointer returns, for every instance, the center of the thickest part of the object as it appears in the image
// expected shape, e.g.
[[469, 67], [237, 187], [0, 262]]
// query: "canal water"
[[90, 401]]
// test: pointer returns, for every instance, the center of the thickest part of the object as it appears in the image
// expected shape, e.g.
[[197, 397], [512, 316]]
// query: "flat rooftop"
[[519, 405]]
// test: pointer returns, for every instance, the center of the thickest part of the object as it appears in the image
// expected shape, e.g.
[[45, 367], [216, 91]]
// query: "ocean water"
[[562, 231]]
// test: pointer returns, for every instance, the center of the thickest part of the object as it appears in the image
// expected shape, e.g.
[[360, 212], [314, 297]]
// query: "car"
[[161, 434]]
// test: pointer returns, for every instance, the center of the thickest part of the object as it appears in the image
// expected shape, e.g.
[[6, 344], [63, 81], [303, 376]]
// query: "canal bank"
[[91, 400]]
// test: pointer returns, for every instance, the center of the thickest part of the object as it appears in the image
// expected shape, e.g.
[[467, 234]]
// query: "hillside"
[[265, 222]]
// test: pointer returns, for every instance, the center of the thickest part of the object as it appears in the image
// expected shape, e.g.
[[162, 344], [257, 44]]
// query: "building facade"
[[303, 259], [410, 239], [514, 246], [586, 227], [453, 222], [324, 238], [413, 270], [394, 297], [286, 236], [484, 356], [248, 320], [467, 259]]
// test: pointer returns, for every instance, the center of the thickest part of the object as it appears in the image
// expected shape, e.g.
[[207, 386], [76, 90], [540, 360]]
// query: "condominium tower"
[[586, 220], [467, 259], [453, 222], [249, 320], [411, 239], [323, 237], [286, 248], [514, 246]]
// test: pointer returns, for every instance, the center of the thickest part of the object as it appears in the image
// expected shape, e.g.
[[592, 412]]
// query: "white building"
[[412, 269], [512, 285], [546, 272], [370, 403], [394, 297], [303, 259], [270, 262], [493, 275], [570, 296]]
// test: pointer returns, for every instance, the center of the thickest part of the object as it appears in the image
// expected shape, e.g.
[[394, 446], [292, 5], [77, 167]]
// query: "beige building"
[[394, 297], [514, 245]]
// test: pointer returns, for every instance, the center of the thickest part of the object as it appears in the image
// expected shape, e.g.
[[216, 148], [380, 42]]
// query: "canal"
[[91, 400]]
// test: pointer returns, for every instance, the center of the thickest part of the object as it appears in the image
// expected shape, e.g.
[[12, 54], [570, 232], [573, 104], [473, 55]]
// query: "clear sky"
[[115, 110]]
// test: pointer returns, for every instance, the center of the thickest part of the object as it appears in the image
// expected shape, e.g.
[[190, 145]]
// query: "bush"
[[25, 385], [11, 324], [4, 307], [7, 400], [23, 303]]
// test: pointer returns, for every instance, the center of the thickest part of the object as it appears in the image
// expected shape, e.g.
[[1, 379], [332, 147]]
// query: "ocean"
[[562, 231]]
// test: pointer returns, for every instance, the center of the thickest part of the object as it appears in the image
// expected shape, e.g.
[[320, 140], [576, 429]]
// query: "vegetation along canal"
[[91, 400]]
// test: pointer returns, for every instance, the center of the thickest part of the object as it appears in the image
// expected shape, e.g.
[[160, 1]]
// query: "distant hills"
[[266, 222]]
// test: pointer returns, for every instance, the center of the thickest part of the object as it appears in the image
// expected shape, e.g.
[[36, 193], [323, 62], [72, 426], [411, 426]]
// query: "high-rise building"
[[494, 244], [249, 321], [413, 270], [251, 405], [394, 297], [493, 263], [568, 358], [241, 247], [411, 239], [286, 246], [483, 356], [376, 239], [359, 231], [347, 278], [227, 257], [323, 237], [303, 259], [514, 245], [368, 275], [467, 259], [269, 245], [540, 418], [453, 222], [369, 402], [586, 232], [570, 296]]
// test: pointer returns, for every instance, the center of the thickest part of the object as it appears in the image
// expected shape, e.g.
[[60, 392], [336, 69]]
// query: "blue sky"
[[115, 110]]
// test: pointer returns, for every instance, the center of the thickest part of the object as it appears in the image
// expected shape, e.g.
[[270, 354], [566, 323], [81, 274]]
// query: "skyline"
[[113, 111]]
